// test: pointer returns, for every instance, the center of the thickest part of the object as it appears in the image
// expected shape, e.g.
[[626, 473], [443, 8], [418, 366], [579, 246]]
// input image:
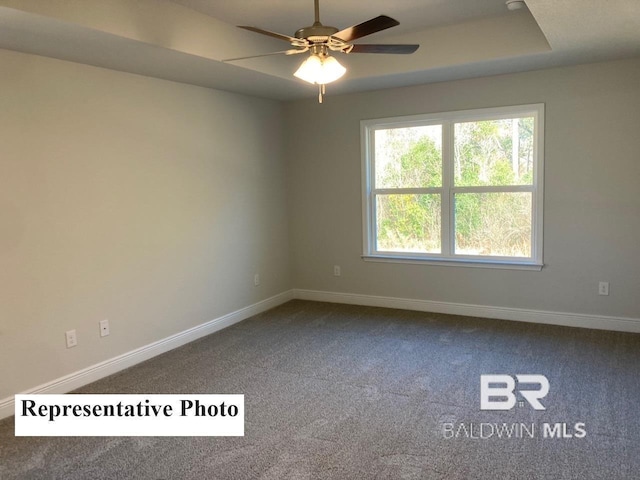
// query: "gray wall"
[[143, 201], [592, 192], [152, 204]]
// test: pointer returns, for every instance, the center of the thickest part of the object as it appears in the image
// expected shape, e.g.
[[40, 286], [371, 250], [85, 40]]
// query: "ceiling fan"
[[320, 68]]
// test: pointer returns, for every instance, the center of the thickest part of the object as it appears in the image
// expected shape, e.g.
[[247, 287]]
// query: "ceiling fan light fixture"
[[310, 69], [320, 70], [332, 69]]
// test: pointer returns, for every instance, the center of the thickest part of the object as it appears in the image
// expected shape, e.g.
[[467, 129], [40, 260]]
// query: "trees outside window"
[[458, 187]]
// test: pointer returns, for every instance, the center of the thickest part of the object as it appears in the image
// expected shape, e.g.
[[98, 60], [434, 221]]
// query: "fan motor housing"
[[316, 33]]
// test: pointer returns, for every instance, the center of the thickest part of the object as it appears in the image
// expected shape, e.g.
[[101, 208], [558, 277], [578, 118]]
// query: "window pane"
[[497, 224], [494, 152], [408, 157], [408, 223]]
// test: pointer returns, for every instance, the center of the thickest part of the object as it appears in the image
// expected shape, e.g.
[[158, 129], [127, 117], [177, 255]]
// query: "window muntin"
[[458, 186]]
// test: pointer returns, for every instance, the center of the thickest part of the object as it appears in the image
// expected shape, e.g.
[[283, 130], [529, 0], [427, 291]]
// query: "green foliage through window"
[[491, 188]]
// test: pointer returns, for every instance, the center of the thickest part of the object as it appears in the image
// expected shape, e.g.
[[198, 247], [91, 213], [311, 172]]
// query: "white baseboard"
[[621, 324], [100, 370], [109, 367]]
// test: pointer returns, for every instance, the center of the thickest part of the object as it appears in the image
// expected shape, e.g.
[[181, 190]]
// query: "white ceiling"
[[186, 40]]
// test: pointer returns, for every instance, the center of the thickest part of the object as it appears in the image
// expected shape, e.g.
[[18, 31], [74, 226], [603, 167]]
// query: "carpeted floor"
[[344, 392]]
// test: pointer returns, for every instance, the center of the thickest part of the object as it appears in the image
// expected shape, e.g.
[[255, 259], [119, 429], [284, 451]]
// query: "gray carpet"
[[345, 392]]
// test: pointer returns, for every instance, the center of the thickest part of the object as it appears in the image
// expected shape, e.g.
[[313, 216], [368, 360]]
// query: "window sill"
[[455, 262]]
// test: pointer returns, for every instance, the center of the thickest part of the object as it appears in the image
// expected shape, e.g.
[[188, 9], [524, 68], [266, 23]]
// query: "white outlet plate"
[[104, 328], [256, 279], [72, 339], [603, 288], [336, 270]]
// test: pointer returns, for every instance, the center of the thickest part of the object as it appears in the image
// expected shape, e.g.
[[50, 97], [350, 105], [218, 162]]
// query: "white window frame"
[[448, 190]]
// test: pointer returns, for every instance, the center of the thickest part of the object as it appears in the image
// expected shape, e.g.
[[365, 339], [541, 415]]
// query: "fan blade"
[[285, 52], [398, 48], [280, 36], [366, 28]]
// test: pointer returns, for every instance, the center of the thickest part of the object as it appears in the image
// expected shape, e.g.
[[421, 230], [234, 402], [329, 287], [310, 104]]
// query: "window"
[[457, 187]]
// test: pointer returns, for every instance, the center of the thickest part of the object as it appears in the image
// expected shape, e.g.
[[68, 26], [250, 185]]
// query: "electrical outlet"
[[72, 339], [336, 270], [104, 327], [256, 279], [603, 288]]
